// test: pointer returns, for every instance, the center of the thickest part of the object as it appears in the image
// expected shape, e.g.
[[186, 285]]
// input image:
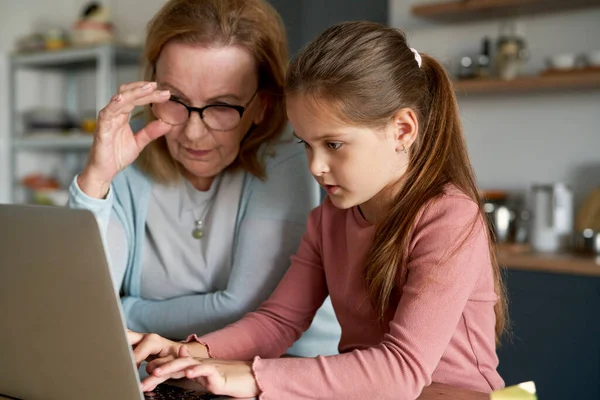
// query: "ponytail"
[[438, 157]]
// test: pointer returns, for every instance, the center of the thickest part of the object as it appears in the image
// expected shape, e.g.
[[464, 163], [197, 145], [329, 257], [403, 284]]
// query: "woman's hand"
[[115, 146], [230, 378]]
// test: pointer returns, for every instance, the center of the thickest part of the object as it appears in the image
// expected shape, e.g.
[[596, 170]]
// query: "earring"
[[404, 149]]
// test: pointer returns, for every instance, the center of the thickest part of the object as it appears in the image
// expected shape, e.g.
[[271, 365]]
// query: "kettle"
[[552, 221]]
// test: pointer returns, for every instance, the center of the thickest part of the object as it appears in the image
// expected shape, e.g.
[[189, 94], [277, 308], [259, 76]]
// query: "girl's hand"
[[115, 146], [230, 378], [158, 351], [150, 346]]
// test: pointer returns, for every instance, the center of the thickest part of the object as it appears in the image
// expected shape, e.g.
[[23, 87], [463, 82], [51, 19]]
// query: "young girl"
[[400, 244]]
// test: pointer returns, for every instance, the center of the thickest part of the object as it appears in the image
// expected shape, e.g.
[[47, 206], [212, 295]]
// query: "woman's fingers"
[[150, 132], [156, 96], [125, 102], [132, 85]]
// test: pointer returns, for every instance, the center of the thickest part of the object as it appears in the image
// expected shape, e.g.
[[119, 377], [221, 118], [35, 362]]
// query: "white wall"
[[18, 18], [517, 140]]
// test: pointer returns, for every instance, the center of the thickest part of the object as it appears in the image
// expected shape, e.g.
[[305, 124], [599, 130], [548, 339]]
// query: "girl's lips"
[[331, 189]]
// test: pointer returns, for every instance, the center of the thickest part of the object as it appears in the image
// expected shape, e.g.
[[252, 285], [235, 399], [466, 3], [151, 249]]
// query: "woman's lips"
[[197, 153]]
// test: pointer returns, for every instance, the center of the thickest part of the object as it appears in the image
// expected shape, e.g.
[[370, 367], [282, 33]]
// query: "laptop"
[[62, 330]]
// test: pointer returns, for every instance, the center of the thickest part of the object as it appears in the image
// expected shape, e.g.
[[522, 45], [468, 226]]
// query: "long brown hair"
[[251, 24], [366, 72]]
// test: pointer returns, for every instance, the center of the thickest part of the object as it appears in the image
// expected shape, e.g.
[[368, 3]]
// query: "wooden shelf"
[[472, 10], [551, 82], [565, 263]]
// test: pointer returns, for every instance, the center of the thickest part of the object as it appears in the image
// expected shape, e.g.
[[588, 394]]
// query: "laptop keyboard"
[[169, 392]]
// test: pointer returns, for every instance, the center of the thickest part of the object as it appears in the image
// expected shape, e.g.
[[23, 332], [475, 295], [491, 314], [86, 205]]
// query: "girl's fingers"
[[158, 362], [208, 372], [134, 337], [151, 346], [149, 383], [184, 352], [177, 365], [208, 376]]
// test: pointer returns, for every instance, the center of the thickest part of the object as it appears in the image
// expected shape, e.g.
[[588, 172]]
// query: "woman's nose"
[[195, 127]]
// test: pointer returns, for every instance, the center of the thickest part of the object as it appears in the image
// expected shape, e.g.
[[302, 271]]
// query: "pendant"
[[198, 231]]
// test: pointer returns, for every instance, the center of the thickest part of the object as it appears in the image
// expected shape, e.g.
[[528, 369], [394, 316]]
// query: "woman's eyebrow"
[[226, 97]]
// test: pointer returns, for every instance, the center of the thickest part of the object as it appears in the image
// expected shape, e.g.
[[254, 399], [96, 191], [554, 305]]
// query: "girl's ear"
[[406, 127]]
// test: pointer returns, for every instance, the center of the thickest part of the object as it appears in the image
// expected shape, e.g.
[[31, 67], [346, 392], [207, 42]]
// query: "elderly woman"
[[201, 208]]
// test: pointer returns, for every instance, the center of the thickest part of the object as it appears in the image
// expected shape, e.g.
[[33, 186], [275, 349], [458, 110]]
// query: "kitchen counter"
[[560, 263]]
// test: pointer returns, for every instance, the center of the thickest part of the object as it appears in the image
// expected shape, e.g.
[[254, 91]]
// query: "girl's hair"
[[253, 25], [365, 73]]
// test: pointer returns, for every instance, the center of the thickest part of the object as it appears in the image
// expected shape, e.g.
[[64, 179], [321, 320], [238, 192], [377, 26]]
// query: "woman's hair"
[[253, 25], [365, 72]]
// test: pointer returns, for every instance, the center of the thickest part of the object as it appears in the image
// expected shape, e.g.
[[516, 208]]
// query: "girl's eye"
[[334, 145], [300, 141]]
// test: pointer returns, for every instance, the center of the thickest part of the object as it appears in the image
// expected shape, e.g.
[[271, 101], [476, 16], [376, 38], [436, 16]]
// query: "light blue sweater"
[[288, 194]]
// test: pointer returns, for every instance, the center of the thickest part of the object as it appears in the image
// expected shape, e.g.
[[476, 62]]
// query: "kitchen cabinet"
[[555, 339], [305, 19]]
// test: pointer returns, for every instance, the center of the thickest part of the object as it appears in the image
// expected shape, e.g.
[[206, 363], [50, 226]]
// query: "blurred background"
[[527, 75]]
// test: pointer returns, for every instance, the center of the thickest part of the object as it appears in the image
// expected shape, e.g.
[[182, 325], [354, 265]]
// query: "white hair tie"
[[417, 56]]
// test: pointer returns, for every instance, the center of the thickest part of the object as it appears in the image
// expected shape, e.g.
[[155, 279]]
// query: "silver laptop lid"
[[62, 334]]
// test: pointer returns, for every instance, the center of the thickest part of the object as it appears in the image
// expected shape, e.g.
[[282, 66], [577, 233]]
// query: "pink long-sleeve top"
[[440, 328]]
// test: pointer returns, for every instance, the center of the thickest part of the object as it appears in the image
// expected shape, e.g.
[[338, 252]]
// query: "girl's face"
[[353, 164], [198, 76]]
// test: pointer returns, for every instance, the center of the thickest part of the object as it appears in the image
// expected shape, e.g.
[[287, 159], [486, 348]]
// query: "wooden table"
[[436, 392], [443, 392], [559, 263]]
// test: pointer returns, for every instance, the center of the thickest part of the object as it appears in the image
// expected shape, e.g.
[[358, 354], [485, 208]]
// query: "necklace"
[[198, 231]]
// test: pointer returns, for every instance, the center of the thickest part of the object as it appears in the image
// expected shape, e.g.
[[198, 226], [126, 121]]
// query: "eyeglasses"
[[218, 117]]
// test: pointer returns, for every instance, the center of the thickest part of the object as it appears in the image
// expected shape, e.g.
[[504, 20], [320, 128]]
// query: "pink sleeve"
[[439, 281], [281, 319]]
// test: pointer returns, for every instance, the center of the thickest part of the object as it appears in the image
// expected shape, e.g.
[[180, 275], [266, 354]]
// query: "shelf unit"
[[543, 83], [104, 59], [50, 141], [472, 10], [476, 10]]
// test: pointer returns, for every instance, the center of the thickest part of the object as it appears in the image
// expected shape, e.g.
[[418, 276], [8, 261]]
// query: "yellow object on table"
[[522, 391]]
